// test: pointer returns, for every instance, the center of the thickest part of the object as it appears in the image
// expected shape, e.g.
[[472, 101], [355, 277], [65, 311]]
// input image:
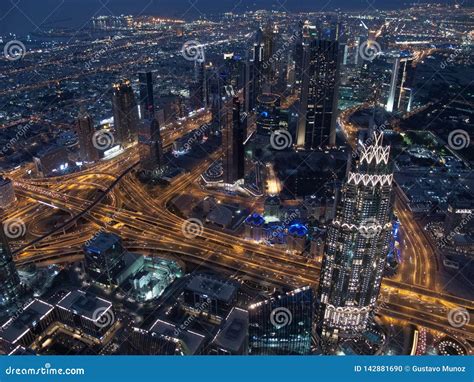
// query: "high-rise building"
[[319, 94], [249, 86], [199, 89], [400, 95], [125, 113], [85, 134], [268, 45], [263, 68], [147, 103], [7, 193], [233, 137], [268, 113], [357, 245], [150, 145], [306, 35], [9, 279], [215, 94], [104, 257], [51, 160], [282, 325]]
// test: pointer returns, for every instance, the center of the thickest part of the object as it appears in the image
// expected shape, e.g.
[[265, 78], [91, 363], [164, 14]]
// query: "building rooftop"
[[234, 333], [50, 149], [29, 316], [102, 242], [220, 215], [84, 304], [212, 287], [192, 340]]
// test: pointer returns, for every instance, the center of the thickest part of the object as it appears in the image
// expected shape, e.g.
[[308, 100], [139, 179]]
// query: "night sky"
[[23, 16]]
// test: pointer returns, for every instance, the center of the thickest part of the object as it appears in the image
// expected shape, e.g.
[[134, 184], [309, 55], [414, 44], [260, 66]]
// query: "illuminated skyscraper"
[[268, 45], [249, 85], [104, 257], [357, 245], [150, 145], [233, 136], [282, 325], [268, 113], [9, 279], [262, 65], [85, 134], [319, 93], [147, 103], [125, 112], [199, 89], [400, 95], [306, 35]]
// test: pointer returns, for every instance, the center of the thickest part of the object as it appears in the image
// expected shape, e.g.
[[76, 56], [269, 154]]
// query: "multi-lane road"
[[142, 217]]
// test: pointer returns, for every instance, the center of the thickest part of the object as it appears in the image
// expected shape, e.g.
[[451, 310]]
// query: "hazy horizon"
[[25, 16]]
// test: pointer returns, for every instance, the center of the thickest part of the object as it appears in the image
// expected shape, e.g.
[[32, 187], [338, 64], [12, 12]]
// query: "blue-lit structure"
[[298, 229], [268, 113]]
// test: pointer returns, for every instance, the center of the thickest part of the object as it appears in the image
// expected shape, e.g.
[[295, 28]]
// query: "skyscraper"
[[125, 112], [9, 279], [233, 136], [199, 88], [319, 93], [147, 103], [268, 44], [306, 35], [357, 245], [104, 257], [215, 94], [268, 113], [150, 145], [282, 325], [249, 86], [263, 68], [400, 95], [85, 134]]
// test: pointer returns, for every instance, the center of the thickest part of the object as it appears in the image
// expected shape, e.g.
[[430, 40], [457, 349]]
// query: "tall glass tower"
[[85, 134], [357, 245], [282, 325], [147, 103], [319, 93], [125, 112], [9, 279], [233, 136]]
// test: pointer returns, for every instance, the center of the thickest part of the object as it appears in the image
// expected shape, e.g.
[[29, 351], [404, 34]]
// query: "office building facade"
[[125, 113], [357, 245]]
